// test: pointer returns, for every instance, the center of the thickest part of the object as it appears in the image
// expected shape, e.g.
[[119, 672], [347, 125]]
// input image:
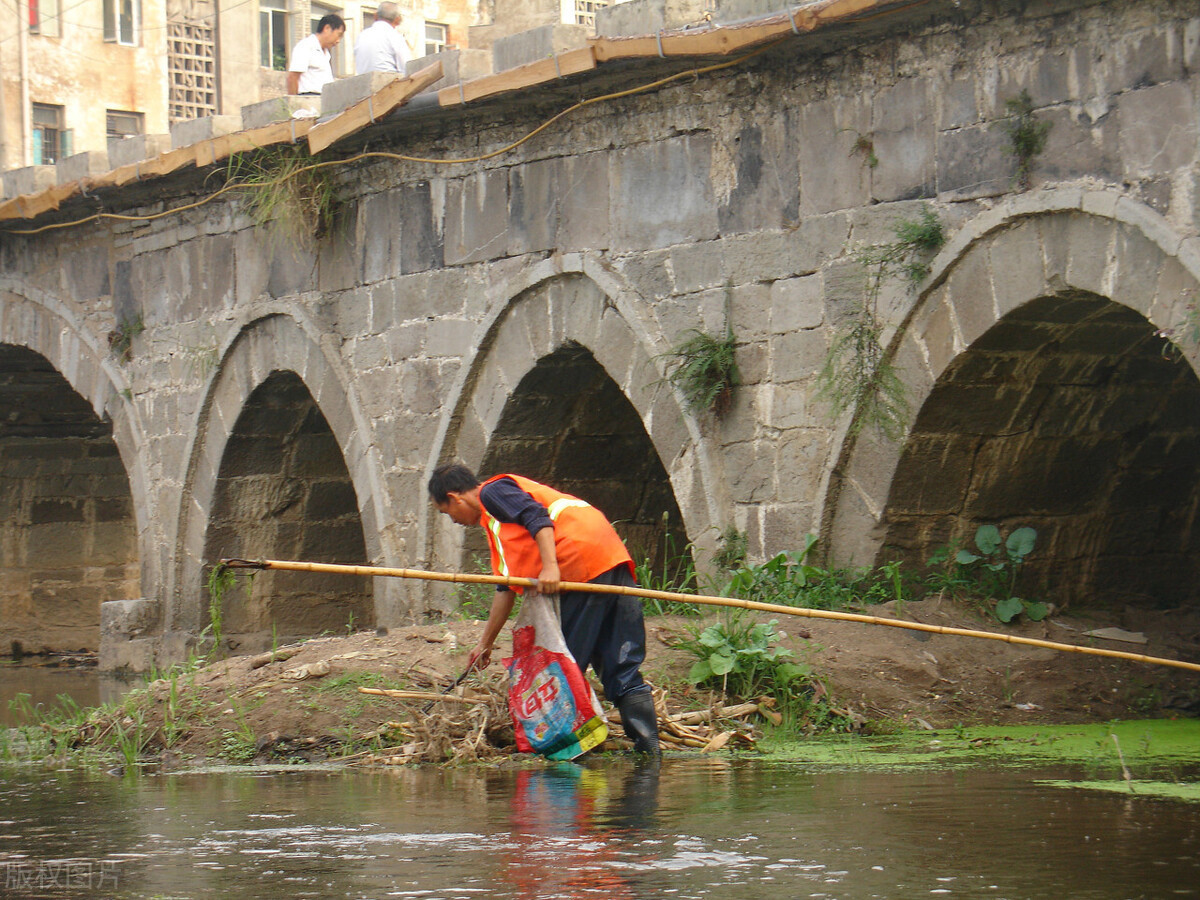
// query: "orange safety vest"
[[584, 541]]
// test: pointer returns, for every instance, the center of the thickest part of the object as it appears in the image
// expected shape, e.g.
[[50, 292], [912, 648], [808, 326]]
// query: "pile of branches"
[[475, 725], [444, 727], [705, 730]]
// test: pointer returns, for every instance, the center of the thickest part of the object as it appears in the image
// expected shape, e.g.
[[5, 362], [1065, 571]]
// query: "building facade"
[[78, 75]]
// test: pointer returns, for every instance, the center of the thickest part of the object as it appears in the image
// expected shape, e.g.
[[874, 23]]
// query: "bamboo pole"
[[703, 600], [420, 695]]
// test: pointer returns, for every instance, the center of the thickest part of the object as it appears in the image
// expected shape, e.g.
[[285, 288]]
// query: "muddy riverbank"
[[308, 706]]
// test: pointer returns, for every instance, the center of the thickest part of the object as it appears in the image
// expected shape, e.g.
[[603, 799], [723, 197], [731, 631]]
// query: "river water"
[[43, 685], [688, 828]]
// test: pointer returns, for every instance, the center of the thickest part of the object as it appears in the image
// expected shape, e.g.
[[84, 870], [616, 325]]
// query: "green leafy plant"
[[704, 369], [674, 571], [864, 145], [856, 375], [221, 579], [731, 554], [992, 573], [916, 241], [120, 339], [742, 658], [1027, 135], [239, 743], [740, 655], [474, 601], [130, 737], [236, 747], [288, 188], [790, 579]]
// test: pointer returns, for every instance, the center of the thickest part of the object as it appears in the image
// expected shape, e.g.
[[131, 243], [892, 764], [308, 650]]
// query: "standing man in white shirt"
[[380, 48], [309, 69]]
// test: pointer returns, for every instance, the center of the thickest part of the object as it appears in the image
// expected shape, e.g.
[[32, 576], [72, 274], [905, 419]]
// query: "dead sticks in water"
[[705, 600]]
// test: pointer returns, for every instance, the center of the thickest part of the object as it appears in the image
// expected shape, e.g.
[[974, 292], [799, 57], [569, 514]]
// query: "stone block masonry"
[[517, 311]]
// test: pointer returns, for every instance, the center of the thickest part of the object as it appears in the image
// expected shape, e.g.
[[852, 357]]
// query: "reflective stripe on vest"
[[494, 528], [584, 540], [559, 505], [555, 510]]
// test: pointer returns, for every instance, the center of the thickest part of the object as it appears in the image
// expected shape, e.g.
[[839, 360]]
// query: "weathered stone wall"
[[1072, 417], [67, 540], [423, 325], [283, 492]]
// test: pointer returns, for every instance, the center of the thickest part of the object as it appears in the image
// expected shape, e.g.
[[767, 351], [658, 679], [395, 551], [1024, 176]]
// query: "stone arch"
[[281, 346], [574, 304], [568, 424], [1014, 293], [75, 503]]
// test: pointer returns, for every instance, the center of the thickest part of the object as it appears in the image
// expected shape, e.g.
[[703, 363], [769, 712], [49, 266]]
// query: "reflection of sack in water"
[[554, 710]]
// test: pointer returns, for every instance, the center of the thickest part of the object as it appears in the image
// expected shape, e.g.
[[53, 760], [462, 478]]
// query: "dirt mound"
[[305, 703], [914, 677]]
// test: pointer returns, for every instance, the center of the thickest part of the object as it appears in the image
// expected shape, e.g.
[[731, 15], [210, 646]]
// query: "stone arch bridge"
[[192, 386]]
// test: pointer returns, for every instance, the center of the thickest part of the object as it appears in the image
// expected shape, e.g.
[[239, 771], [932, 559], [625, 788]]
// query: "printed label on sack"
[[554, 710], [543, 691]]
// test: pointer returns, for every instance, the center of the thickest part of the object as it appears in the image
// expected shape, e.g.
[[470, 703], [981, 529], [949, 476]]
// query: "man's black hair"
[[451, 477], [333, 20]]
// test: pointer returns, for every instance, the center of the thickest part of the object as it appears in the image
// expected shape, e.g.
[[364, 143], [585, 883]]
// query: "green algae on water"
[[1141, 746], [1165, 790]]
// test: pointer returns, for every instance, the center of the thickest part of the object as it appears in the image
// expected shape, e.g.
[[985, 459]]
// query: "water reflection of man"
[[565, 828], [635, 808]]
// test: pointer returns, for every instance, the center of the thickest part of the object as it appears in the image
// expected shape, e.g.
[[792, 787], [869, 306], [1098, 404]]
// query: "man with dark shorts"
[[535, 531]]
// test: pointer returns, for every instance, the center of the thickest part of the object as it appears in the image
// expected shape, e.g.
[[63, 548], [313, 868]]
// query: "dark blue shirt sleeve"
[[506, 502]]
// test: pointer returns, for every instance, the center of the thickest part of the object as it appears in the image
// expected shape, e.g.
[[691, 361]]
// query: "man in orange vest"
[[537, 532]]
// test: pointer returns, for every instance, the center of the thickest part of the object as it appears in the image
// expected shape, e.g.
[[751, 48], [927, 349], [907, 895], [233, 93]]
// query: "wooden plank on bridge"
[[722, 40], [372, 109], [212, 150], [560, 65]]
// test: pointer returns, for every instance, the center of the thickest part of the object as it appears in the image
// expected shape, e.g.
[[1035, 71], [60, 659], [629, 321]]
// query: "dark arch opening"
[[68, 541], [569, 425], [1070, 415], [283, 492]]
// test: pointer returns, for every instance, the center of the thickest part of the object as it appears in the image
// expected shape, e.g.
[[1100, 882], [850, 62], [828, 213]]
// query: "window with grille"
[[122, 20], [192, 67], [585, 11], [50, 139], [273, 34], [437, 37], [124, 124]]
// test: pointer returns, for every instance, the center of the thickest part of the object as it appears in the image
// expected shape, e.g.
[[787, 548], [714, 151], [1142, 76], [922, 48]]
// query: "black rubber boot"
[[640, 721]]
